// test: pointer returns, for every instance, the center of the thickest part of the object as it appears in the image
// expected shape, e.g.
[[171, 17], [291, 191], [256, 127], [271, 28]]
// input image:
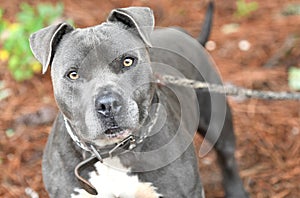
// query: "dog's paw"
[[147, 190]]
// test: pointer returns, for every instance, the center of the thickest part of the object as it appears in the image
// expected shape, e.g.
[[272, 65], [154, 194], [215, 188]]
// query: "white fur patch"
[[112, 181]]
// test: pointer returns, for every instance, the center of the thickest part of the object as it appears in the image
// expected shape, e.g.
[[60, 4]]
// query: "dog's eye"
[[128, 61], [73, 75]]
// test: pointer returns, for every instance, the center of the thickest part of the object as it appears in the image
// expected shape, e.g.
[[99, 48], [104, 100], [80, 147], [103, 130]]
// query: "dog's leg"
[[225, 148]]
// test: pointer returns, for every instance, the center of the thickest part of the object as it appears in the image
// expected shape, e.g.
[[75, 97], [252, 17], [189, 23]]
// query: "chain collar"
[[126, 144]]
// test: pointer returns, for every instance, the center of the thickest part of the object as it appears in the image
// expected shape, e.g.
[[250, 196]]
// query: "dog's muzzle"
[[98, 154], [108, 105]]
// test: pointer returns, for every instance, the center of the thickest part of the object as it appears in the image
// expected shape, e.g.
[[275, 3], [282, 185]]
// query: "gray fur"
[[94, 53]]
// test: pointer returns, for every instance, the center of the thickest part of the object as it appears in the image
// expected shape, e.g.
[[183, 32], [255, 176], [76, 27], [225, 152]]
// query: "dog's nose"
[[108, 104]]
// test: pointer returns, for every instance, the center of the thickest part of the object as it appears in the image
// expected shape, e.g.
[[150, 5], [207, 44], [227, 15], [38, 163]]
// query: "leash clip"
[[96, 153], [132, 145]]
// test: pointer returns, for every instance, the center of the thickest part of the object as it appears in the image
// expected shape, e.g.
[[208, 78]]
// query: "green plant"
[[291, 9], [15, 45], [2, 22], [294, 78], [244, 9]]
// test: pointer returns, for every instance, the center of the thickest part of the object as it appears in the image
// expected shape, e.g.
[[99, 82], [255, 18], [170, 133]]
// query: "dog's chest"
[[112, 180]]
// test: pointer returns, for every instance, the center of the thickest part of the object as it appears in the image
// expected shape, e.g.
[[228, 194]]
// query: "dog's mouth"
[[117, 132]]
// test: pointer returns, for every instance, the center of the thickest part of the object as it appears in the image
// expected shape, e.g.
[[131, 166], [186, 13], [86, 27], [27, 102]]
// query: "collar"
[[125, 145]]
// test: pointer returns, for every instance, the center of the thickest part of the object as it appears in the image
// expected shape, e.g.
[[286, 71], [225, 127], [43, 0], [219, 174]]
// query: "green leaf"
[[13, 63], [244, 9], [291, 9], [10, 132], [18, 75], [27, 74], [294, 78], [26, 15], [1, 13]]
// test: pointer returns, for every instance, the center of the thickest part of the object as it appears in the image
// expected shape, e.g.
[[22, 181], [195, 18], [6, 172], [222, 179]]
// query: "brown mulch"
[[268, 132]]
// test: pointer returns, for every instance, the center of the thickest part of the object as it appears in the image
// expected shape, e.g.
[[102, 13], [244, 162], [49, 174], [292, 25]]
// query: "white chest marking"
[[112, 181]]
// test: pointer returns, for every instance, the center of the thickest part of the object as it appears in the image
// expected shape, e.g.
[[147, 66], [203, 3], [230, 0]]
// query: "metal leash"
[[228, 89]]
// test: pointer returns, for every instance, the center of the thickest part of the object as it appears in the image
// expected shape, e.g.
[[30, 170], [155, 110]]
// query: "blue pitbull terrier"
[[119, 132]]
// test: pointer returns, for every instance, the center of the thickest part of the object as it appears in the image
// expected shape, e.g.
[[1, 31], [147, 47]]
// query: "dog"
[[119, 131]]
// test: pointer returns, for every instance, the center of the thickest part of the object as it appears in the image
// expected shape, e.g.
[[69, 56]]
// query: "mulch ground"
[[268, 132]]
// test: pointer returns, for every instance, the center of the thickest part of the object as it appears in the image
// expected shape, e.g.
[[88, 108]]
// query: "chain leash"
[[229, 90]]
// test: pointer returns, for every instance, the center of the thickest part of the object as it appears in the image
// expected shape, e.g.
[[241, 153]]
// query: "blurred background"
[[255, 44]]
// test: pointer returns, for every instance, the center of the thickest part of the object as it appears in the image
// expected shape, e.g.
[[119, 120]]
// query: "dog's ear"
[[43, 43], [139, 18]]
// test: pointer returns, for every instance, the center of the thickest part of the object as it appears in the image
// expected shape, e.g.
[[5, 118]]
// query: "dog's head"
[[101, 75]]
